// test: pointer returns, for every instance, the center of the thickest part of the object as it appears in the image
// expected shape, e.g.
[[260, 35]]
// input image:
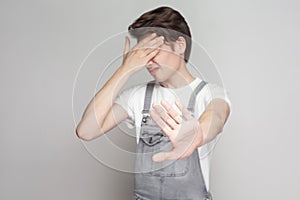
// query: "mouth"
[[153, 70]]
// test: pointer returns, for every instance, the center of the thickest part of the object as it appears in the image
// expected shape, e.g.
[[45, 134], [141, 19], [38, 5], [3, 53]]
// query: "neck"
[[180, 78]]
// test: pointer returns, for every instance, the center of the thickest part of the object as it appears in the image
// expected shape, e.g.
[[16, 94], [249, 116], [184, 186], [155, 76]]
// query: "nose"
[[150, 62]]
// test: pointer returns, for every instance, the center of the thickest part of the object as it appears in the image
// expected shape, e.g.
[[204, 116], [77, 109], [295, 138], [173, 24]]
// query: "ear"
[[180, 45]]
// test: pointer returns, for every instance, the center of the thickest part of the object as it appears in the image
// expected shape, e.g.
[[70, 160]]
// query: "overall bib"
[[169, 180]]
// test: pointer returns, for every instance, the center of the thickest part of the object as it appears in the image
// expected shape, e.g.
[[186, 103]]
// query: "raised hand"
[[141, 53], [185, 134]]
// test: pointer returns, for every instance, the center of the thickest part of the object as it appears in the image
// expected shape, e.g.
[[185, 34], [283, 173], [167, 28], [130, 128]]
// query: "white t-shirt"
[[132, 100]]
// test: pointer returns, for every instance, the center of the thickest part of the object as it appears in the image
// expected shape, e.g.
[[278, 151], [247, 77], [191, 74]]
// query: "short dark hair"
[[163, 21]]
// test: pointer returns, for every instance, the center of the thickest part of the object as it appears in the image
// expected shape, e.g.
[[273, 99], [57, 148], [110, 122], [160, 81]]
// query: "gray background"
[[255, 45]]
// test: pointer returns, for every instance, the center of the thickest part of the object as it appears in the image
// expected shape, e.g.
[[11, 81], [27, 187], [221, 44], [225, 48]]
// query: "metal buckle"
[[145, 118], [152, 140]]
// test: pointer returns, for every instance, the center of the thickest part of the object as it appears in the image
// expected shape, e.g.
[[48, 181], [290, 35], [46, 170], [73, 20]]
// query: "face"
[[165, 64]]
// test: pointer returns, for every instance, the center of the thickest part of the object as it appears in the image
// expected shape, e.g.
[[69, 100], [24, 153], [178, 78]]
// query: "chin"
[[159, 79]]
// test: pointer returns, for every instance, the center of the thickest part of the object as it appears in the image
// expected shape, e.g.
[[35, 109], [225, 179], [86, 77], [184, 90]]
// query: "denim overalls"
[[169, 180]]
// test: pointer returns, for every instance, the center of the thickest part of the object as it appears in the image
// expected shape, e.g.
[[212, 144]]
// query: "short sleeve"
[[216, 92], [124, 99], [213, 91]]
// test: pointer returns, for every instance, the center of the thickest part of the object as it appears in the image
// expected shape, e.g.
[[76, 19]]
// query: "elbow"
[[220, 129], [87, 130], [83, 135]]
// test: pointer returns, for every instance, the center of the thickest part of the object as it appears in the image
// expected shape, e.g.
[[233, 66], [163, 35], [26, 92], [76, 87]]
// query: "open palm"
[[185, 134]]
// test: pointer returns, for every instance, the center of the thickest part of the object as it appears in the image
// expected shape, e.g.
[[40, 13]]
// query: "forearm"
[[96, 111], [213, 120], [91, 124]]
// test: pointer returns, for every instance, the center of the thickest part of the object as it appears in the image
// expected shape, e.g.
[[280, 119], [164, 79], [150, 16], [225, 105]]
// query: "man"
[[177, 116]]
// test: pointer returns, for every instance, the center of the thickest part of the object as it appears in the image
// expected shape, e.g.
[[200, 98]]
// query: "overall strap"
[[148, 97], [191, 105]]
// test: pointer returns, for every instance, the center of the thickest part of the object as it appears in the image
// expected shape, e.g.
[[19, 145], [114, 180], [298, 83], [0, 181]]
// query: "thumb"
[[163, 156], [160, 157]]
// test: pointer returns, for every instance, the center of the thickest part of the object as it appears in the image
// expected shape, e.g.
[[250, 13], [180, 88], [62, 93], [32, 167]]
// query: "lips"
[[153, 70]]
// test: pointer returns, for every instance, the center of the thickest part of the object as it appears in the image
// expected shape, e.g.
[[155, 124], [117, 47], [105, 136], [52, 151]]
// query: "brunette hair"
[[163, 21]]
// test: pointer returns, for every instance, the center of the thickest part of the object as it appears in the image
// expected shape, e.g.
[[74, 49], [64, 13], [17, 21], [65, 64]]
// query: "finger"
[[148, 38], [184, 111], [127, 45], [164, 115], [182, 151], [145, 52], [163, 156], [149, 47], [152, 54], [141, 43], [159, 157], [155, 42], [175, 115], [161, 124]]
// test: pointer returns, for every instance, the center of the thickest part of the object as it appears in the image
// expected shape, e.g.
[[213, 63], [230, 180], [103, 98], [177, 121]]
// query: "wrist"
[[126, 71]]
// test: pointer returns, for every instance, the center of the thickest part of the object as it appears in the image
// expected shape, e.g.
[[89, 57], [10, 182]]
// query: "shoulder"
[[215, 91], [213, 87]]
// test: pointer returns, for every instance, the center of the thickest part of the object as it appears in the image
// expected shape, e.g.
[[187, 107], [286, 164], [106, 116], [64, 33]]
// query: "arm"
[[101, 115], [213, 120]]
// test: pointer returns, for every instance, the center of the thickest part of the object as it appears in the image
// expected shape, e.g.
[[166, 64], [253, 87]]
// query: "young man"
[[177, 116]]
